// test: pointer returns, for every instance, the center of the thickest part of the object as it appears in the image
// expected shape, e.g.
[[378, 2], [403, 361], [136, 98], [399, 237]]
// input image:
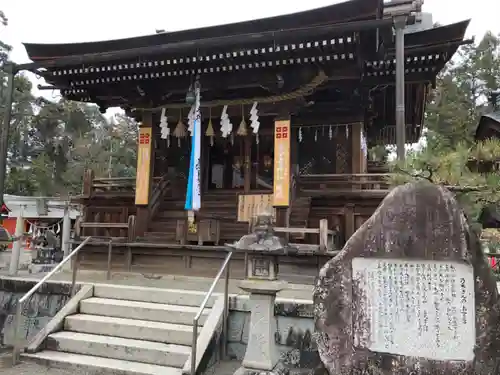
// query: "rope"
[[299, 93]]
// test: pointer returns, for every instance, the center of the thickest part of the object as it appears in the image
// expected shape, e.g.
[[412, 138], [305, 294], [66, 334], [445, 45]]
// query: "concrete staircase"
[[131, 330]]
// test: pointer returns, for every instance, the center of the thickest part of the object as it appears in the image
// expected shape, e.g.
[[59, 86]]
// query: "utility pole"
[[11, 70]]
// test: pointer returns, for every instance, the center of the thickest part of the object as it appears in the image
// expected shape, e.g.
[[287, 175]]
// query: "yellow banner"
[[143, 166], [281, 191]]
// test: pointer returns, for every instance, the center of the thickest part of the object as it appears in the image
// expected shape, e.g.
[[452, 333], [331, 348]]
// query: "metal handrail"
[[23, 299], [225, 266]]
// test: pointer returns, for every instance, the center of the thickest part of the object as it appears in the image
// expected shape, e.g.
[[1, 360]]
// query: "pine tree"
[[451, 156]]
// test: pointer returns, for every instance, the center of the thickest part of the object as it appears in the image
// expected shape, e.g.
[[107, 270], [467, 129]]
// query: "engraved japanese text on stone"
[[415, 308]]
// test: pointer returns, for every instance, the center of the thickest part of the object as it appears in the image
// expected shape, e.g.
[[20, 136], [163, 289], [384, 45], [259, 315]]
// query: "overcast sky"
[[63, 21]]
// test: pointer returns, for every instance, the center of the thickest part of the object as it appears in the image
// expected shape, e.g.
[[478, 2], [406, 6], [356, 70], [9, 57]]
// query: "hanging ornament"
[[316, 135], [330, 132], [210, 129], [191, 117], [165, 130], [256, 139], [347, 131], [180, 130], [232, 139], [254, 118], [364, 146], [300, 134], [242, 129], [225, 124]]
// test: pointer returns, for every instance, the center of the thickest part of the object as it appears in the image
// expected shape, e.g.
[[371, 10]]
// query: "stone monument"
[[410, 293], [262, 248]]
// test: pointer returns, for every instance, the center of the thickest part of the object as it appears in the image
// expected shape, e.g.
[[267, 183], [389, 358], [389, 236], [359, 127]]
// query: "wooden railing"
[[312, 183], [326, 236], [100, 229], [112, 186], [159, 190]]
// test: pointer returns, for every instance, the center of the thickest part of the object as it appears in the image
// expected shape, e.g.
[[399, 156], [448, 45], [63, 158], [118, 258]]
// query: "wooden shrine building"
[[289, 106]]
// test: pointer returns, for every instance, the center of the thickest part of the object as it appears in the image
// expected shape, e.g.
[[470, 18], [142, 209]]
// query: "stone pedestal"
[[261, 355], [262, 249]]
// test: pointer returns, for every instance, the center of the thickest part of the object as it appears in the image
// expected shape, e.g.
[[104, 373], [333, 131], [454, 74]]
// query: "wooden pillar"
[[342, 155], [282, 170], [294, 160], [247, 163], [350, 222], [145, 167], [356, 155]]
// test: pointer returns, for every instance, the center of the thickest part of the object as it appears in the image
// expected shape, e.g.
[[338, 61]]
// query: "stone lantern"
[[262, 248]]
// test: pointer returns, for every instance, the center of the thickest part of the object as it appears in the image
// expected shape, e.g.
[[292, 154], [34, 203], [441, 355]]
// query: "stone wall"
[[37, 311], [294, 334]]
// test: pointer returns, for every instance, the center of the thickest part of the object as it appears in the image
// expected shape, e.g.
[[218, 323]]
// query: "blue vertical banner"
[[193, 192]]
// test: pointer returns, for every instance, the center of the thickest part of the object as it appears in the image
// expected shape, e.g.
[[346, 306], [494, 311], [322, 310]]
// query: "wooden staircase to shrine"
[[217, 205], [299, 216]]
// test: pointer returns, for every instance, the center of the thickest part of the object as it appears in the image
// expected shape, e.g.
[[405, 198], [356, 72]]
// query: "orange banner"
[[143, 166], [281, 191]]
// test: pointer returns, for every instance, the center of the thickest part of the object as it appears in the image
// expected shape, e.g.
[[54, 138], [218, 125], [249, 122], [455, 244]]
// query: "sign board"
[[252, 205], [414, 308], [281, 188], [143, 179]]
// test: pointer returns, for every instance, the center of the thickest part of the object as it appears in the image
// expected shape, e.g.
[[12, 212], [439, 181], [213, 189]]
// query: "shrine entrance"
[[263, 162], [233, 160], [225, 164]]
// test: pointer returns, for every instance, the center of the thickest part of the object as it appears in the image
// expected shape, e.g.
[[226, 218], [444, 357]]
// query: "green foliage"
[[451, 156], [51, 143]]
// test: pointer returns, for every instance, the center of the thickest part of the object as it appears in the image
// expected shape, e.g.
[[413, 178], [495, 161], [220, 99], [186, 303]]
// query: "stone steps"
[[102, 366], [152, 295], [118, 348], [155, 312], [130, 330]]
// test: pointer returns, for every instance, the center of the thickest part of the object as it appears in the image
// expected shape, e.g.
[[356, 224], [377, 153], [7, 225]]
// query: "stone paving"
[[296, 291]]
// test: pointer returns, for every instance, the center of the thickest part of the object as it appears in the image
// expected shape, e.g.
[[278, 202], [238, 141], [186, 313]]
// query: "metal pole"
[[194, 346], [10, 69], [399, 24], [110, 254], [76, 264], [226, 313]]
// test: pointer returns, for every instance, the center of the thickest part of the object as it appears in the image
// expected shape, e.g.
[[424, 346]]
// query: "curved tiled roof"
[[353, 10]]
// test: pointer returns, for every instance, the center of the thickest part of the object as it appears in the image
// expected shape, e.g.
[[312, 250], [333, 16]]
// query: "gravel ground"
[[34, 369], [26, 368]]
